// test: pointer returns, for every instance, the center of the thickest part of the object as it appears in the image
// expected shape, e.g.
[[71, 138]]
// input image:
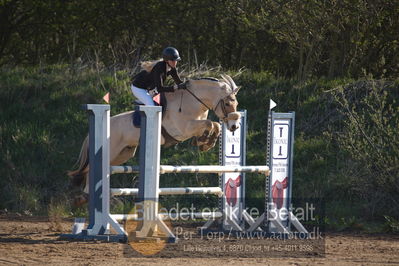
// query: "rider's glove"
[[182, 86]]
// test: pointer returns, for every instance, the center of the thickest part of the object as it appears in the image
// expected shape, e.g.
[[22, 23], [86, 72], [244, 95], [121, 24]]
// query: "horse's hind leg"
[[125, 154]]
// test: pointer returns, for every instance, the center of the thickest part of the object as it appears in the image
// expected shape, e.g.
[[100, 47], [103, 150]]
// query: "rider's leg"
[[142, 95]]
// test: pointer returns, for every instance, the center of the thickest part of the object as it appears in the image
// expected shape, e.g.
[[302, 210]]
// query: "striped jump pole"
[[206, 169], [167, 216], [170, 191]]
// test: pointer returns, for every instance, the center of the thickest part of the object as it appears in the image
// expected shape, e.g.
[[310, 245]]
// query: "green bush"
[[370, 135]]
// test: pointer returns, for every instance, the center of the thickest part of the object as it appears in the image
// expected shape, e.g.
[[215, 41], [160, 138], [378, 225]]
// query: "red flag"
[[106, 97]]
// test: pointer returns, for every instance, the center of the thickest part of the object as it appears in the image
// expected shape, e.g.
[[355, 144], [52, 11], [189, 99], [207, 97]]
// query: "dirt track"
[[34, 240]]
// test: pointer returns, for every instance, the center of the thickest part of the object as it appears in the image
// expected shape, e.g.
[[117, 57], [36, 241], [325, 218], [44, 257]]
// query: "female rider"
[[150, 80]]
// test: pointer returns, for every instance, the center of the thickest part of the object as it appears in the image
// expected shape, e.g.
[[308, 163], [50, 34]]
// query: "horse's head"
[[226, 108], [219, 96]]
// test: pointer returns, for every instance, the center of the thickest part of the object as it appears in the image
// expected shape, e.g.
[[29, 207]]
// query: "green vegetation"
[[346, 149]]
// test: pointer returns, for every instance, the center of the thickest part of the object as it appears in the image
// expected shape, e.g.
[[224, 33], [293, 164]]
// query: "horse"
[[185, 117]]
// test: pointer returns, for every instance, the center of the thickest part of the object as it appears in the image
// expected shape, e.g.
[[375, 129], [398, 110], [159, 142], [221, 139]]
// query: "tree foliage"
[[294, 38]]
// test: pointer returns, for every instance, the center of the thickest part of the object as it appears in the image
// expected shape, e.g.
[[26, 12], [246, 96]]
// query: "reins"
[[198, 99], [207, 107]]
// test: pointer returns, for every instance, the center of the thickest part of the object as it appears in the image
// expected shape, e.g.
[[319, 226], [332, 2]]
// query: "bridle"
[[221, 103]]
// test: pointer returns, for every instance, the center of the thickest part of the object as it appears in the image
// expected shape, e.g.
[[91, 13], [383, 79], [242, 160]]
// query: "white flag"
[[272, 104]]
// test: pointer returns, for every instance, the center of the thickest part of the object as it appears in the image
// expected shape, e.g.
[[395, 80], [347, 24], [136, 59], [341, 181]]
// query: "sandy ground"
[[35, 241]]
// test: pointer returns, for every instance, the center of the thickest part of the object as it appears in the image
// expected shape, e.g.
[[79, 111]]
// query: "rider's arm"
[[175, 76], [158, 74]]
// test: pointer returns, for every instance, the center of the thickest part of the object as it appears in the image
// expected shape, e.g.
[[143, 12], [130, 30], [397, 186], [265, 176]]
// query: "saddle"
[[159, 100]]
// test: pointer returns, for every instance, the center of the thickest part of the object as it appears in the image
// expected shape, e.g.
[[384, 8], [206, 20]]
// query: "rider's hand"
[[182, 86]]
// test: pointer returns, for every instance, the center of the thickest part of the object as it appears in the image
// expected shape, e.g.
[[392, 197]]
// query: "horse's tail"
[[79, 175]]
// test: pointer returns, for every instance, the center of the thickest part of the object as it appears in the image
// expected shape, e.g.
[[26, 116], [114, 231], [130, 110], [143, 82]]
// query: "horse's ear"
[[236, 90], [225, 78], [224, 86]]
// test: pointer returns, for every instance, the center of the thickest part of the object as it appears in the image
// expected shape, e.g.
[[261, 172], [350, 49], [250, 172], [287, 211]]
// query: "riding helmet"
[[171, 53]]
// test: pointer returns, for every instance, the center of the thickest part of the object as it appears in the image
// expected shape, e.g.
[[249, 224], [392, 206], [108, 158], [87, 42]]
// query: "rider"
[[148, 82]]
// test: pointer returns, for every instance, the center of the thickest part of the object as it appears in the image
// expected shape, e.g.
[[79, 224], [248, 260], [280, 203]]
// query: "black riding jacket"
[[156, 78]]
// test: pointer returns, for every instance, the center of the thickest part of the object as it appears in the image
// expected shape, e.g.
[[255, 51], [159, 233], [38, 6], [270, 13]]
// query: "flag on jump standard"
[[106, 97], [272, 104]]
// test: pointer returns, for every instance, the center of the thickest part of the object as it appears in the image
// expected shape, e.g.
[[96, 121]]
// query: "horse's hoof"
[[80, 200]]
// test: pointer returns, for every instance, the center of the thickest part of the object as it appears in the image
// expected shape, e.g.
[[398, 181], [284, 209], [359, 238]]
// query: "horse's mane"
[[225, 78], [207, 78], [148, 65]]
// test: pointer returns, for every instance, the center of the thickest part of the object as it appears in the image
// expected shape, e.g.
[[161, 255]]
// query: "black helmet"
[[170, 53]]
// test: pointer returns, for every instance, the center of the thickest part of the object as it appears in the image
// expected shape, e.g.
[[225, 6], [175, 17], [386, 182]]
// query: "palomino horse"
[[185, 117]]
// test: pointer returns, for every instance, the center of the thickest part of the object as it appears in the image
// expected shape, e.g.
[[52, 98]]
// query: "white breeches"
[[143, 95]]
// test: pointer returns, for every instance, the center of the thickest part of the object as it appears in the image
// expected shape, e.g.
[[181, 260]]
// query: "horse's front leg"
[[206, 132], [211, 141]]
